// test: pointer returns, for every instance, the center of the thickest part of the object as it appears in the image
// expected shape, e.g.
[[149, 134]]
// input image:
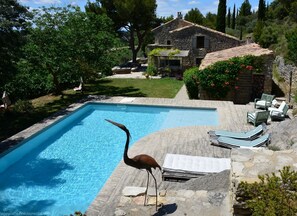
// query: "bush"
[[268, 37], [273, 195], [151, 70], [23, 106], [191, 82]]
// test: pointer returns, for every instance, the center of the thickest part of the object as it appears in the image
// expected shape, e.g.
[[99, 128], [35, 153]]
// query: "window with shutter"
[[200, 42]]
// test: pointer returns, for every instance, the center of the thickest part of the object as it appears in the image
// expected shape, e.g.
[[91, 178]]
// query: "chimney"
[[249, 40], [179, 15]]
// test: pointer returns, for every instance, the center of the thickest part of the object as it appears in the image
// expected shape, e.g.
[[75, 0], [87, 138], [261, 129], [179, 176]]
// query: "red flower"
[[249, 67], [226, 83], [236, 87]]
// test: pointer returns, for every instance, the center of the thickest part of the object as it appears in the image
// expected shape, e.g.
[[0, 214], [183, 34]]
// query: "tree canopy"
[[245, 8], [291, 37], [135, 16], [64, 45], [221, 16], [261, 10], [233, 22], [13, 23], [210, 20], [194, 16]]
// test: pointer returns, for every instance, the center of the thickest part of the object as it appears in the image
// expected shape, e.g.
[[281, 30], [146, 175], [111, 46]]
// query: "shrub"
[[23, 106], [273, 195], [151, 70], [268, 37], [274, 148], [191, 82]]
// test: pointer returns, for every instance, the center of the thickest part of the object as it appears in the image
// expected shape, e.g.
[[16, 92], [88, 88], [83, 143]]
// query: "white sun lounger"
[[178, 167]]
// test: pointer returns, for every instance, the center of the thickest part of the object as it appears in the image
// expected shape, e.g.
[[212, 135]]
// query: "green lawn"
[[158, 88], [11, 122]]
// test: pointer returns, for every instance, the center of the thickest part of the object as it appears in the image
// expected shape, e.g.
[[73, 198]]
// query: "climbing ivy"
[[157, 52]]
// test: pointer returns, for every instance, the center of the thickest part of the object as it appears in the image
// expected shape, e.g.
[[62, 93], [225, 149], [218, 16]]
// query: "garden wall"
[[285, 70]]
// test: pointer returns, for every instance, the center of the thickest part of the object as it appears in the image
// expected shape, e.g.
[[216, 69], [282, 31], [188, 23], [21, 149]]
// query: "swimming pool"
[[62, 168]]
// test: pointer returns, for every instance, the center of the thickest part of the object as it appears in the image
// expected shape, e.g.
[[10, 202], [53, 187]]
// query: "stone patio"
[[206, 195]]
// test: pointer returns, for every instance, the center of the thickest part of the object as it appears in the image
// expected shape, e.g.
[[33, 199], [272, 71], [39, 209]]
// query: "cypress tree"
[[233, 18], [261, 10], [245, 8], [229, 18], [221, 16]]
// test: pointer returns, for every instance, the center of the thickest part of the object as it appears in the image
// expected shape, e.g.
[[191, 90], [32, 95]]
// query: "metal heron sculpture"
[[141, 161]]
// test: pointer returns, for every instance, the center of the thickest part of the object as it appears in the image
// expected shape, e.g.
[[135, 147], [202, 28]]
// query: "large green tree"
[[166, 19], [245, 8], [261, 10], [210, 20], [233, 18], [221, 17], [13, 23], [134, 16], [194, 16], [229, 18], [63, 45]]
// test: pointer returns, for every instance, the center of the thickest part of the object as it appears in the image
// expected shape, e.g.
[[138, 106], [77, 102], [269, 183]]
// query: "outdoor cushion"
[[237, 143], [280, 112], [248, 135], [177, 166], [264, 102], [257, 117]]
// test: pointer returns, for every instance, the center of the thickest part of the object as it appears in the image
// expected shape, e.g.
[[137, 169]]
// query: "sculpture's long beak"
[[118, 125]]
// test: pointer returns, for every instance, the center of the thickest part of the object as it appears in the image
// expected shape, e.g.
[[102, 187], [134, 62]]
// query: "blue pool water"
[[61, 169]]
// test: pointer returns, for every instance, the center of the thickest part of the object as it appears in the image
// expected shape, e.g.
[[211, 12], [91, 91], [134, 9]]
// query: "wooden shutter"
[[206, 42], [194, 42]]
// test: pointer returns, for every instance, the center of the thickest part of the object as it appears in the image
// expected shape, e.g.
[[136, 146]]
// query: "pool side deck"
[[186, 140]]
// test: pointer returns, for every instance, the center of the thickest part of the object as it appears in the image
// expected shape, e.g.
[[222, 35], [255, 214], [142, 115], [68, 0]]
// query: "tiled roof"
[[190, 25], [248, 49], [176, 19]]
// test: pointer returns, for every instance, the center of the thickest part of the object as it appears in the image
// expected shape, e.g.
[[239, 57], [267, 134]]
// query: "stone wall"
[[267, 68], [285, 71], [247, 164], [215, 41], [161, 33]]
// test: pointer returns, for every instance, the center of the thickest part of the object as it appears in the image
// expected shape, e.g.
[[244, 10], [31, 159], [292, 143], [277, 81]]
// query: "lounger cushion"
[[248, 135], [195, 164], [261, 103], [230, 142]]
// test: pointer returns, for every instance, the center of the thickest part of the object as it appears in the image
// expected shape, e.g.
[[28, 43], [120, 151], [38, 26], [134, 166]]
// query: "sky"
[[164, 8]]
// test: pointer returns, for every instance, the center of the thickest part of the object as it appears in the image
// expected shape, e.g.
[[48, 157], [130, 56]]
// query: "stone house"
[[192, 40]]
